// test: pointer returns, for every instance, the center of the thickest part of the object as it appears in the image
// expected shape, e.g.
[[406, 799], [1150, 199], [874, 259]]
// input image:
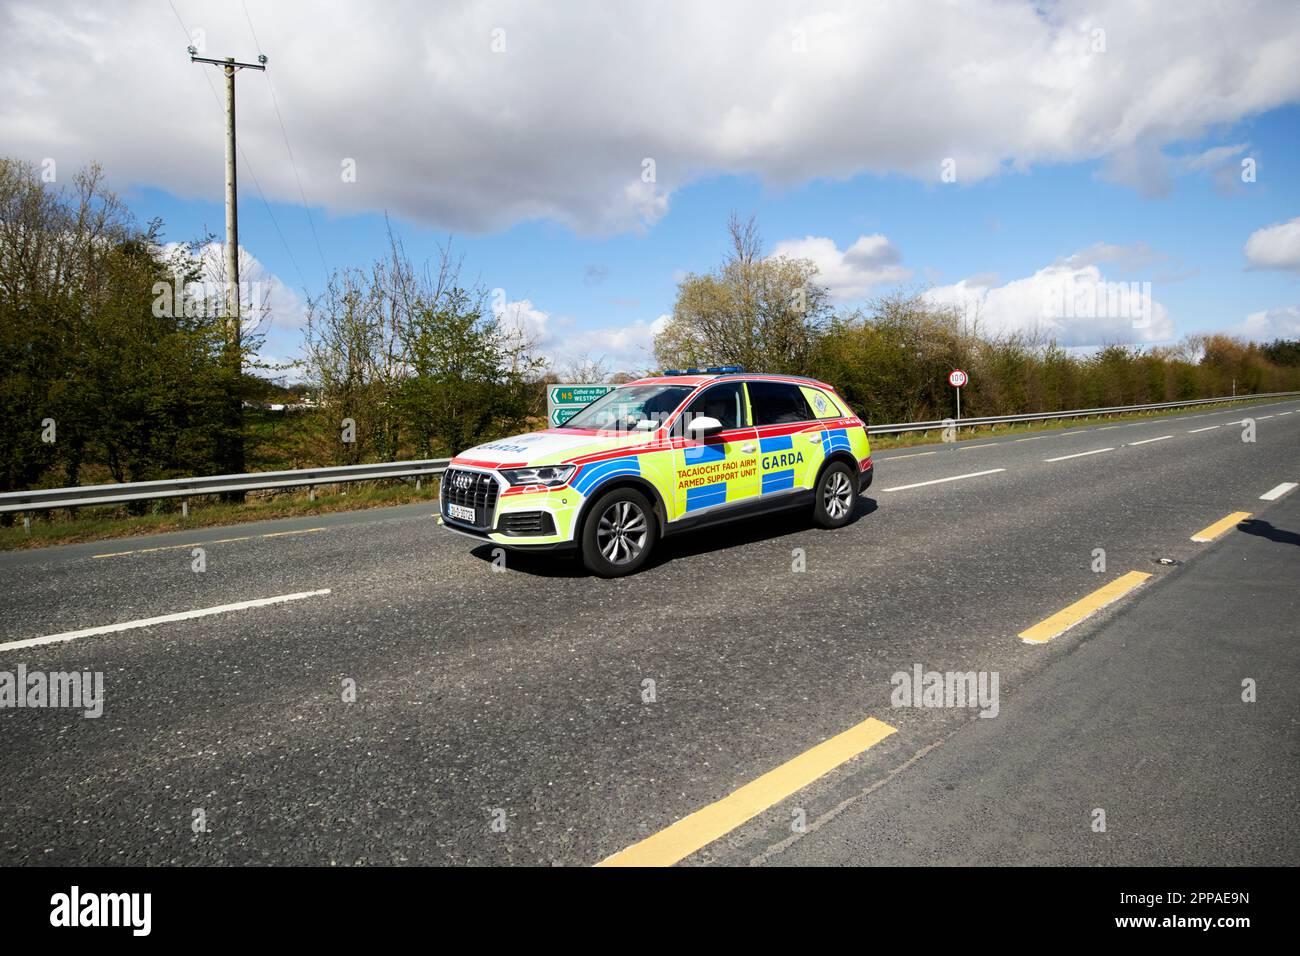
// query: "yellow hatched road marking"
[[1063, 620], [1220, 526], [702, 827]]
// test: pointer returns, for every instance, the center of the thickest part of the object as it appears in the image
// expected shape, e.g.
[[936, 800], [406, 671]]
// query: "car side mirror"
[[703, 427]]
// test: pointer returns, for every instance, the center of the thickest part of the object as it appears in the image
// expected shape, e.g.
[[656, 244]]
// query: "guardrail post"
[[27, 524], [418, 484], [311, 493], [185, 507]]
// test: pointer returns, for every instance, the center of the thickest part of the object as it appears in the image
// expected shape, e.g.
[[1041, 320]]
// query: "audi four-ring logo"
[[462, 481]]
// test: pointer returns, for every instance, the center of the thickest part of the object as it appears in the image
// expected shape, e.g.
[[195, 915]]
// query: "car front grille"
[[521, 523], [469, 489]]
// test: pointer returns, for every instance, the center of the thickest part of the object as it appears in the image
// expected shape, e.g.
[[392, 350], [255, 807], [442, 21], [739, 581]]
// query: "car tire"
[[836, 496], [619, 533]]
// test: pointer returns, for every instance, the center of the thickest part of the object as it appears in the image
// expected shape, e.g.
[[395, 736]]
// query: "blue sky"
[[1128, 158]]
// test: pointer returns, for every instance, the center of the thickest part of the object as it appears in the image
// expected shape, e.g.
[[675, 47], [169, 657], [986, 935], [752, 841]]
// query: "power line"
[[247, 164], [275, 101]]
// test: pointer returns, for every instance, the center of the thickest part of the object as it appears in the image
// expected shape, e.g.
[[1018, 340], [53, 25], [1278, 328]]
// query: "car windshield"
[[623, 408]]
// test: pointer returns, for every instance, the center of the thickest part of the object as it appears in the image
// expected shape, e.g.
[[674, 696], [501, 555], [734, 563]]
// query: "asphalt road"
[[519, 696]]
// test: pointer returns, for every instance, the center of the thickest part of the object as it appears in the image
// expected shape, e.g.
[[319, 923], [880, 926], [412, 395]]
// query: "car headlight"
[[550, 475]]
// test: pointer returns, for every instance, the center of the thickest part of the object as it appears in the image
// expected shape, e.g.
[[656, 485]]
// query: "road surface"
[[538, 715]]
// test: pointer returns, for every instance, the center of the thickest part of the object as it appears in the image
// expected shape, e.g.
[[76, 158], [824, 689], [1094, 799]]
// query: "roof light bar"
[[708, 370]]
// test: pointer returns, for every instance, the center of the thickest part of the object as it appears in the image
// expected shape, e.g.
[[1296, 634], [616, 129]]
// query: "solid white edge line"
[[939, 481], [1275, 493], [1095, 451], [163, 619], [1147, 441]]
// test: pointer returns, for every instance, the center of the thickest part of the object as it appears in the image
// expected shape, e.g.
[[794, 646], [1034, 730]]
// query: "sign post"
[[957, 378], [565, 401]]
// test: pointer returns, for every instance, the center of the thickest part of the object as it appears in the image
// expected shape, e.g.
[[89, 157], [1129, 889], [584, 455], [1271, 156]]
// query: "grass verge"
[[933, 437], [97, 524]]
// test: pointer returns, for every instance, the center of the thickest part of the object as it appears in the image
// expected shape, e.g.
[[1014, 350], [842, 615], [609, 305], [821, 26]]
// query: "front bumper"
[[514, 543], [512, 513]]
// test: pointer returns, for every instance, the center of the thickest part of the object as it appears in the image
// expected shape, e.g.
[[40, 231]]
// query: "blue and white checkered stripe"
[[592, 475], [836, 439]]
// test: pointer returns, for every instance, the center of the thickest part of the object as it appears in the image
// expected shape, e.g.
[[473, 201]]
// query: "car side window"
[[823, 405], [725, 402], [776, 403]]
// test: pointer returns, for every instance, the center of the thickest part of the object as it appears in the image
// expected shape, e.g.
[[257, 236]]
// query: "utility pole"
[[233, 451]]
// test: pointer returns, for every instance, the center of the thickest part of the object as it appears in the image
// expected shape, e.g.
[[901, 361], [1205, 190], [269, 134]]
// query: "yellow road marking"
[[1220, 526], [1063, 620], [200, 544], [702, 827]]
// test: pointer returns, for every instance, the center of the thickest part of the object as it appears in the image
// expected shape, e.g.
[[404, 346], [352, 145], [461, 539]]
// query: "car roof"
[[697, 380]]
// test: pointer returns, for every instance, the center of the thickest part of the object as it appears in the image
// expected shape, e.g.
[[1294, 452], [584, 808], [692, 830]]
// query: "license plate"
[[460, 511]]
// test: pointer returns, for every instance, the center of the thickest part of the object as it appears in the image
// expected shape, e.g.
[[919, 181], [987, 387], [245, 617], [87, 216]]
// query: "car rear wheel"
[[837, 496], [619, 533]]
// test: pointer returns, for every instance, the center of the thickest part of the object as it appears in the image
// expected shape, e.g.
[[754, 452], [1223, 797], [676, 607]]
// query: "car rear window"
[[823, 405]]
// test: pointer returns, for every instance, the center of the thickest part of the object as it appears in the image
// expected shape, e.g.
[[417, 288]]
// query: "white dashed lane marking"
[[1095, 451], [940, 481], [1147, 441], [163, 619], [1275, 493]]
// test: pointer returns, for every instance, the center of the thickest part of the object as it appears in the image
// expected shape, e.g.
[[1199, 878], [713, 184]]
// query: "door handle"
[[748, 449]]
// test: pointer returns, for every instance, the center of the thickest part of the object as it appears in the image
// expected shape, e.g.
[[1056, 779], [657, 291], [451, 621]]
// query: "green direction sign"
[[577, 394], [565, 401]]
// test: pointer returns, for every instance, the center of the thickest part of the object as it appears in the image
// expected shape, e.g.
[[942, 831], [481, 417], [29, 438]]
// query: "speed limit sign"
[[957, 378]]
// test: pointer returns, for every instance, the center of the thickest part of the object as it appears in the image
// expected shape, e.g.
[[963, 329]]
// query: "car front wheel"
[[619, 533], [837, 496]]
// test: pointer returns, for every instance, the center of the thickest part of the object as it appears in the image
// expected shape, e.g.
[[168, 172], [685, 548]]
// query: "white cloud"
[[849, 275], [445, 131], [270, 307], [1071, 303], [1270, 324], [522, 316], [1141, 166], [1214, 158], [1133, 257], [628, 347], [624, 347], [1276, 246]]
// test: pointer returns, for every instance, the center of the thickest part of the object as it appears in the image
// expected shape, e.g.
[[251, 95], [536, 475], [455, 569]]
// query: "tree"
[[129, 378], [415, 358], [469, 374], [764, 314]]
